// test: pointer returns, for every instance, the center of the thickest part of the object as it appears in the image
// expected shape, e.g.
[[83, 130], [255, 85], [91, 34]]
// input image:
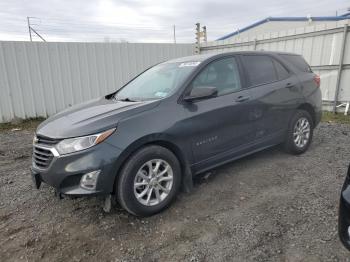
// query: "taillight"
[[317, 80]]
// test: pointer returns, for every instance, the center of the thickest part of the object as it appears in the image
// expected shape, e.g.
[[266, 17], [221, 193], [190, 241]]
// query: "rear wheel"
[[299, 133], [149, 181]]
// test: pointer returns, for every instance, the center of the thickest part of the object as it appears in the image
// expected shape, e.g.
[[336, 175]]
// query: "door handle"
[[289, 85], [242, 98]]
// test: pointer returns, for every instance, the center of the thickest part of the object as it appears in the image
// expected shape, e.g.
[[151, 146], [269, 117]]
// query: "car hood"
[[91, 117]]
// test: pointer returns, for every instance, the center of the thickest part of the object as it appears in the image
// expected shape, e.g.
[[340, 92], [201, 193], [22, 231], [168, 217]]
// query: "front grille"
[[42, 157]]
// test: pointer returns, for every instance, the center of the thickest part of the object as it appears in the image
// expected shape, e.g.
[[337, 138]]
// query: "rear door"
[[275, 93]]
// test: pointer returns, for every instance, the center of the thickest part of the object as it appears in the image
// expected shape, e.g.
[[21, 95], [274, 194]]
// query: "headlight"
[[71, 145]]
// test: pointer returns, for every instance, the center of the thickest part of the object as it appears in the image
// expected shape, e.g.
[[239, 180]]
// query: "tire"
[[300, 146], [135, 171]]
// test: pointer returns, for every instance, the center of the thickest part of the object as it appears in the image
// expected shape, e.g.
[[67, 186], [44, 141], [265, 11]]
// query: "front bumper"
[[64, 172], [344, 213]]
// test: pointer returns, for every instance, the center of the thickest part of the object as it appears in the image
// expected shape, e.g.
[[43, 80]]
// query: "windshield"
[[157, 82]]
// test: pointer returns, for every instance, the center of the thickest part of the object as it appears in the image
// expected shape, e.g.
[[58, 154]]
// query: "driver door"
[[222, 125]]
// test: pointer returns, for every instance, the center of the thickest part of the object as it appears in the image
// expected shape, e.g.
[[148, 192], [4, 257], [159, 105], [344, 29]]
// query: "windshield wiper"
[[126, 99]]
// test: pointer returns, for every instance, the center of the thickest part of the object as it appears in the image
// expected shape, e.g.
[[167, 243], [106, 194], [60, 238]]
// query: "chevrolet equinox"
[[145, 141]]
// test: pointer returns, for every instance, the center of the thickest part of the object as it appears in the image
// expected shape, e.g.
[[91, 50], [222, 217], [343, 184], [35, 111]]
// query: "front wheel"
[[299, 133], [149, 181]]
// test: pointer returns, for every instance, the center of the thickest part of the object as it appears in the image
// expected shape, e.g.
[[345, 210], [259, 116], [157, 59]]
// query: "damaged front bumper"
[[65, 172]]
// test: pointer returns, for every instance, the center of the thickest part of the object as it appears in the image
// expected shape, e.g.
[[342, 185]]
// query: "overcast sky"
[[146, 20]]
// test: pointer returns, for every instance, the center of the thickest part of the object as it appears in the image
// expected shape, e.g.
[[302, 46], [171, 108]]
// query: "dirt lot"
[[267, 207]]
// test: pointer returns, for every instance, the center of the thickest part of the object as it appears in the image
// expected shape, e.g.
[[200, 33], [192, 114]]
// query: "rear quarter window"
[[298, 61]]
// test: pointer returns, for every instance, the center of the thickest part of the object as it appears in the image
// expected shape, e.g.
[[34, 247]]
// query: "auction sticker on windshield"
[[161, 94], [189, 64]]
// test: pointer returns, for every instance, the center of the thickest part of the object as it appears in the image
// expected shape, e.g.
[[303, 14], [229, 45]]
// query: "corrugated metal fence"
[[40, 79], [325, 47]]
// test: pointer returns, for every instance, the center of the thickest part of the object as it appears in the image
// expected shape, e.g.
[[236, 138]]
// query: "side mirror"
[[201, 92]]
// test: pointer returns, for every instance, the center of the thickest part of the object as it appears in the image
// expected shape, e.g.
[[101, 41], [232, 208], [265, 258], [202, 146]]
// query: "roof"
[[290, 19], [201, 58]]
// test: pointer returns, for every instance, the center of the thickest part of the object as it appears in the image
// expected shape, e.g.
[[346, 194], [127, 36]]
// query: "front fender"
[[166, 141]]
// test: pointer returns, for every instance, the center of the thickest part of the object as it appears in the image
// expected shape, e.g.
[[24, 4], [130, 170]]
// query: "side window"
[[298, 61], [222, 74], [260, 69], [281, 71]]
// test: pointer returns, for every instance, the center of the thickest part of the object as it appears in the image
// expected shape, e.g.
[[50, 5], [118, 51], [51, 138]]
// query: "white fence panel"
[[41, 79]]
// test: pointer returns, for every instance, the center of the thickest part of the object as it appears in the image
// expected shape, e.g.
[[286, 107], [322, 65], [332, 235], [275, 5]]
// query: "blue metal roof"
[[297, 19]]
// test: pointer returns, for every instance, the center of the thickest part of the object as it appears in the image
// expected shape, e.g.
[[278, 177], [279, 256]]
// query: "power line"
[[82, 25], [59, 29], [93, 31], [96, 23], [62, 28], [97, 28]]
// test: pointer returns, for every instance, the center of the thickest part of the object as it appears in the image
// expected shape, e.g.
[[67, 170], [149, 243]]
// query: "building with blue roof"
[[275, 24]]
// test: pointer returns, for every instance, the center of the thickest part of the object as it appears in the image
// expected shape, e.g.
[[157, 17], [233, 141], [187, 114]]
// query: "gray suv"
[[145, 141]]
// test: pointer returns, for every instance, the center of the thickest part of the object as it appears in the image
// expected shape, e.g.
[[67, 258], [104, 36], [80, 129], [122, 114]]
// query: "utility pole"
[[174, 34], [200, 34], [205, 33], [198, 38], [30, 31]]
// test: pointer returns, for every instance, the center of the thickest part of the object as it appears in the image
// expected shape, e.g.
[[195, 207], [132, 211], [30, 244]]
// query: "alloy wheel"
[[301, 134], [153, 182]]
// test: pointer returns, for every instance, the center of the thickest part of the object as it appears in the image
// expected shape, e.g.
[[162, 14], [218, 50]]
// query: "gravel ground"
[[270, 206]]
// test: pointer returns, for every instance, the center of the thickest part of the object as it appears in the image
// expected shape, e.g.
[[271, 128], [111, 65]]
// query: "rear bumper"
[[344, 213], [64, 172]]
